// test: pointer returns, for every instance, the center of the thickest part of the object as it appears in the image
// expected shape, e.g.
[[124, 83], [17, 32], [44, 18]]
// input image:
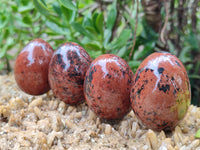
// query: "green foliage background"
[[97, 29]]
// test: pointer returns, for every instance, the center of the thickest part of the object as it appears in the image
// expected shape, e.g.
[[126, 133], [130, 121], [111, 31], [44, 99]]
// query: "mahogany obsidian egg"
[[67, 70], [107, 87], [160, 95], [31, 67]]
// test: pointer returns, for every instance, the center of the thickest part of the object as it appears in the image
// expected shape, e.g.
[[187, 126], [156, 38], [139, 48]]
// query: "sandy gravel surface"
[[44, 122]]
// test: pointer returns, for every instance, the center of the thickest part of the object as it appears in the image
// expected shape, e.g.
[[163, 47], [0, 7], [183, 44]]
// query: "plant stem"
[[8, 65], [134, 39]]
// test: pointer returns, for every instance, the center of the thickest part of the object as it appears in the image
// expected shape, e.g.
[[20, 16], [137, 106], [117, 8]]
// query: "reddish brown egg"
[[107, 87], [31, 67], [67, 72], [160, 95]]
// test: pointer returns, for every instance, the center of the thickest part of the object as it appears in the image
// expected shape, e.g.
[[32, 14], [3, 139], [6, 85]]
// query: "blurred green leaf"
[[107, 37], [9, 57], [37, 17], [10, 41], [94, 18], [41, 8], [196, 69], [192, 40], [94, 54], [91, 30], [17, 2], [54, 27], [171, 47], [21, 23], [87, 21], [197, 135], [3, 51], [57, 8], [99, 23], [36, 29], [122, 51], [139, 27], [24, 2], [68, 4], [146, 50], [27, 20], [26, 8], [14, 8], [78, 27], [148, 34], [194, 76], [4, 20], [92, 46], [112, 14], [184, 55], [69, 14], [1, 37], [43, 2], [2, 65], [121, 41], [134, 64]]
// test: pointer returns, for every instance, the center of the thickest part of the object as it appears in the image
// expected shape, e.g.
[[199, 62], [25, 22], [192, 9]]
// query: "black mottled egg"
[[107, 87], [160, 95], [67, 70]]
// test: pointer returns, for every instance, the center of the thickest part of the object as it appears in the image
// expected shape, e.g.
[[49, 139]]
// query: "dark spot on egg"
[[63, 66], [137, 77], [59, 59], [147, 69], [164, 124], [149, 113], [160, 70], [139, 90], [109, 76], [164, 88], [118, 109], [177, 63], [123, 73], [174, 91], [65, 88], [90, 77], [129, 80]]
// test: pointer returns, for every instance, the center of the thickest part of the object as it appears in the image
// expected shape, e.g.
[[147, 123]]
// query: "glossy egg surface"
[[107, 87], [160, 95], [31, 67], [67, 71]]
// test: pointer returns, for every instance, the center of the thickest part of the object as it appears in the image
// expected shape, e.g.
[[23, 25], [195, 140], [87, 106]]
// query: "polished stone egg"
[[67, 71], [160, 94], [107, 87], [31, 67]]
